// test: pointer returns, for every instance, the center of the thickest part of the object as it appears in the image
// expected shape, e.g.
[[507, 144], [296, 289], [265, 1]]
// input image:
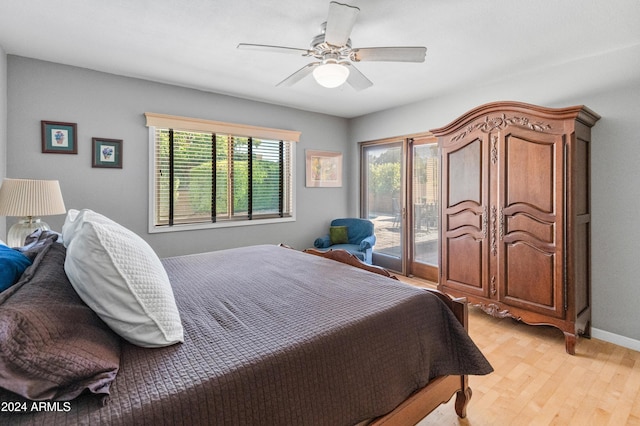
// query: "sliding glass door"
[[424, 201], [400, 196], [382, 200]]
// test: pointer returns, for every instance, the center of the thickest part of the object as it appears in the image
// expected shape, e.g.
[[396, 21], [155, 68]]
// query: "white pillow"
[[121, 278]]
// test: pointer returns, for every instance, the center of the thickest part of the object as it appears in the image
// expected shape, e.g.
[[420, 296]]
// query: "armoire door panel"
[[527, 238], [531, 203], [465, 174], [465, 217], [531, 279], [530, 172], [468, 217], [545, 232], [465, 266]]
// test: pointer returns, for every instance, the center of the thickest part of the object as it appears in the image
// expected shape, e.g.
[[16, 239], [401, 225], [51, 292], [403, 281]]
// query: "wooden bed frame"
[[439, 390]]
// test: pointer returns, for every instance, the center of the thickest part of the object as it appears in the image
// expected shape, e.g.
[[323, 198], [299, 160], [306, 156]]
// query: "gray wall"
[[109, 106], [615, 159]]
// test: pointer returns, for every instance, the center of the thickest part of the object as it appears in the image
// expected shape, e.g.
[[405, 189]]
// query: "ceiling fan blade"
[[356, 79], [390, 54], [275, 49], [298, 75], [340, 22]]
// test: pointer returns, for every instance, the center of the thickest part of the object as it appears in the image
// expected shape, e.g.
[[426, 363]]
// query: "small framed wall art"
[[324, 168], [106, 153], [59, 138]]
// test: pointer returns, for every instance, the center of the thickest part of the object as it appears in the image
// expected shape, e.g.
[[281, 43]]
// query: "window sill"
[[153, 229]]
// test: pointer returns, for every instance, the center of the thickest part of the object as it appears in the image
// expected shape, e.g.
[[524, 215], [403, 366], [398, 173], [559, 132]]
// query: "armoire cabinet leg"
[[570, 343]]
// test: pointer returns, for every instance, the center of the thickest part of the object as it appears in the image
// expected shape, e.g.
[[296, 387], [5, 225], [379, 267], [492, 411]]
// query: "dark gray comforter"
[[278, 337]]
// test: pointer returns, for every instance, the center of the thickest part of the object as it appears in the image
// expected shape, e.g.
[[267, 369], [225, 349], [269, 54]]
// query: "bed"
[[271, 336]]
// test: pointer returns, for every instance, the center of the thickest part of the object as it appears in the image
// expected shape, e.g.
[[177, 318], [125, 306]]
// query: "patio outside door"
[[382, 200], [400, 196], [424, 187]]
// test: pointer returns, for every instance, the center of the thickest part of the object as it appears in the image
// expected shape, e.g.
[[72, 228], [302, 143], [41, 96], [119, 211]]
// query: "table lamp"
[[29, 199]]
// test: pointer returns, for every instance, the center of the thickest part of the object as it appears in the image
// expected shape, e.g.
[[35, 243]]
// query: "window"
[[209, 174]]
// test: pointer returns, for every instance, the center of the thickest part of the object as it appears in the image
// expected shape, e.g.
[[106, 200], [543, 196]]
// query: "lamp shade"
[[28, 197], [331, 74]]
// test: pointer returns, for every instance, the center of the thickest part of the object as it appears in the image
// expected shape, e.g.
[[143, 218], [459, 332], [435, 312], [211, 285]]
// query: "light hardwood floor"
[[536, 382]]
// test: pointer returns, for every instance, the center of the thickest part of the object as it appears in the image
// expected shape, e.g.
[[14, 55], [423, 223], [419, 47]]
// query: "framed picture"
[[106, 153], [59, 138], [324, 168]]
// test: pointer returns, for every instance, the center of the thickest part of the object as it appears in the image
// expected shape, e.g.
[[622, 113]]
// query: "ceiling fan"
[[332, 48]]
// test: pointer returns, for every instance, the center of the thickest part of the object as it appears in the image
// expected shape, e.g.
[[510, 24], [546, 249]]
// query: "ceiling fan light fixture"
[[331, 74]]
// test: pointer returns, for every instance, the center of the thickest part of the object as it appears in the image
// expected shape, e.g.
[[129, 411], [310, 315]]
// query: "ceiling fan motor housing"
[[324, 51]]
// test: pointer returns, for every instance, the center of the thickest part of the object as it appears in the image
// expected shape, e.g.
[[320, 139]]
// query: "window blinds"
[[201, 176]]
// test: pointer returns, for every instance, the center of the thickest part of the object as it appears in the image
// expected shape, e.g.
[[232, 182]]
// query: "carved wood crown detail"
[[498, 123]]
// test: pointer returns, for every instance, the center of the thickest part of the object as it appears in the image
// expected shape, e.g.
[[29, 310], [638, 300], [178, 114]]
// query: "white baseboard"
[[616, 339]]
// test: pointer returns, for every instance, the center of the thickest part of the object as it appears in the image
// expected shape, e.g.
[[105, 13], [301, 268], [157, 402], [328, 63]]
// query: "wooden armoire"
[[515, 213]]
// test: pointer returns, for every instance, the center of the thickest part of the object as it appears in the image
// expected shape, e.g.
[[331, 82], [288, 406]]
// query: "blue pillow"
[[12, 265]]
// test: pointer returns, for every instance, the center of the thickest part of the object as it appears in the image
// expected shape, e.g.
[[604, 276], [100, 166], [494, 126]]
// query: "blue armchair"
[[359, 242]]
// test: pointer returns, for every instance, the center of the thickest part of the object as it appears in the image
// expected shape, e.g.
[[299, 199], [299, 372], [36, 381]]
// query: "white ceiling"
[[192, 43]]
